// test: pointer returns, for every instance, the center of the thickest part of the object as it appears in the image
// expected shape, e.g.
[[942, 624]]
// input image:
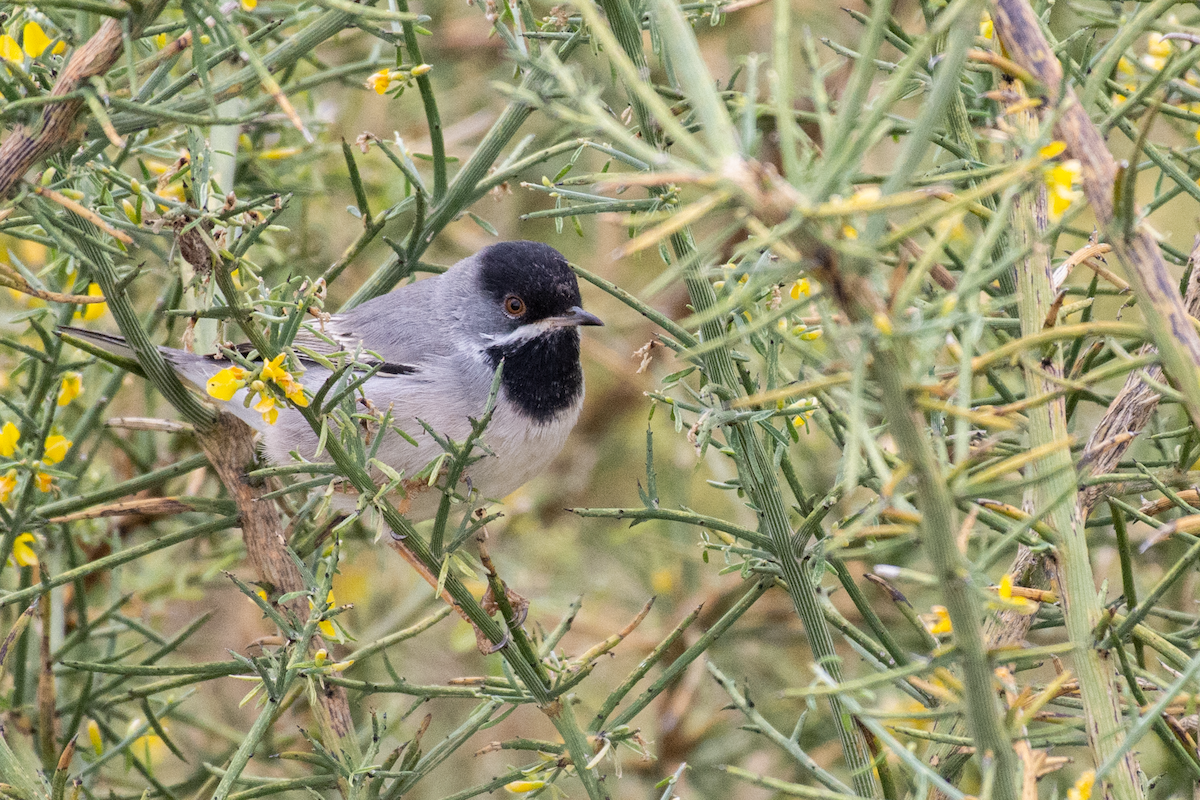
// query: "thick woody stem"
[[229, 445], [1055, 495], [26, 145], [1157, 292], [230, 449]]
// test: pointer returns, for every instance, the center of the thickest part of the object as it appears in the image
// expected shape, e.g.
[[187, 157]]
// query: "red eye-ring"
[[514, 306]]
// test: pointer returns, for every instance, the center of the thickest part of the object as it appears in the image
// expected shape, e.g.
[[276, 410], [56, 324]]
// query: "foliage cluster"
[[924, 373]]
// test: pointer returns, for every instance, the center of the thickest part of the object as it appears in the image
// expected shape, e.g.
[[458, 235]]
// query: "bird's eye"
[[514, 306]]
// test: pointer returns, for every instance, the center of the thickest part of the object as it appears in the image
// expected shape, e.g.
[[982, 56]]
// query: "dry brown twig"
[[230, 447], [1178, 342], [26, 145]]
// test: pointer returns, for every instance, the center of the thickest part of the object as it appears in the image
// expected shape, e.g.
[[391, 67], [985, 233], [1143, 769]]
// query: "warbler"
[[435, 346]]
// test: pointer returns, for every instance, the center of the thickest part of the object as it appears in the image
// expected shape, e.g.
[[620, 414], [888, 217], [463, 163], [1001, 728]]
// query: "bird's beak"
[[575, 316]]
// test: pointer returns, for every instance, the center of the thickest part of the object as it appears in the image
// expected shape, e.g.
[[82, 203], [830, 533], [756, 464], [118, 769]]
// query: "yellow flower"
[[1022, 605], [986, 26], [421, 69], [249, 5], [800, 287], [326, 626], [59, 48], [10, 50], [224, 384], [883, 323], [266, 407], [273, 370], [811, 335], [149, 749], [524, 787], [1060, 183], [56, 448], [941, 621], [1155, 63], [279, 153], [380, 81], [7, 484], [1156, 45], [801, 419], [72, 386], [36, 40], [9, 436], [1055, 148], [22, 551], [1125, 66], [44, 482], [160, 41], [849, 232], [1082, 790], [93, 732], [92, 311], [295, 392]]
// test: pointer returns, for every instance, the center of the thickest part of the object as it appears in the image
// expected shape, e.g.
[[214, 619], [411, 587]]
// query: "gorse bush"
[[919, 422]]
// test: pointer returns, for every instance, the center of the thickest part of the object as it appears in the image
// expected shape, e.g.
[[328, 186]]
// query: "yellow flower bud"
[[36, 40], [9, 436], [56, 448], [23, 554], [524, 787], [10, 50], [72, 386], [93, 732]]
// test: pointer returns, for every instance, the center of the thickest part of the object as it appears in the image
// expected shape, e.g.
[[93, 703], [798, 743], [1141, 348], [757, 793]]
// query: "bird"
[[436, 344]]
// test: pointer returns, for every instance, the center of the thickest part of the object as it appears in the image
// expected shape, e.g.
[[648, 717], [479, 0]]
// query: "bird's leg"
[[513, 606], [486, 646]]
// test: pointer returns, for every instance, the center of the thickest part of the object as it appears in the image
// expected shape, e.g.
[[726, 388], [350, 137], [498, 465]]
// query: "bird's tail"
[[112, 345], [113, 349], [194, 370]]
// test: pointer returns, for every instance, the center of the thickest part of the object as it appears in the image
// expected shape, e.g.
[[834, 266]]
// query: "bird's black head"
[[528, 281], [534, 299]]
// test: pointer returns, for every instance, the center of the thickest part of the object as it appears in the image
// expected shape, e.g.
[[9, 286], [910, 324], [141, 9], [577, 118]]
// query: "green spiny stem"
[[152, 362], [614, 699], [1058, 492], [754, 464], [697, 649], [984, 715], [429, 101], [464, 189], [116, 559], [787, 743], [1182, 753]]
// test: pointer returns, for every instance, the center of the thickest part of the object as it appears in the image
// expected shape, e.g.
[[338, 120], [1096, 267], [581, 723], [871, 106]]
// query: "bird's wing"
[[403, 328]]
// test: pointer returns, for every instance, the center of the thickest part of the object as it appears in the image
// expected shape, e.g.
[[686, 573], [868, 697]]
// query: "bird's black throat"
[[542, 376]]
